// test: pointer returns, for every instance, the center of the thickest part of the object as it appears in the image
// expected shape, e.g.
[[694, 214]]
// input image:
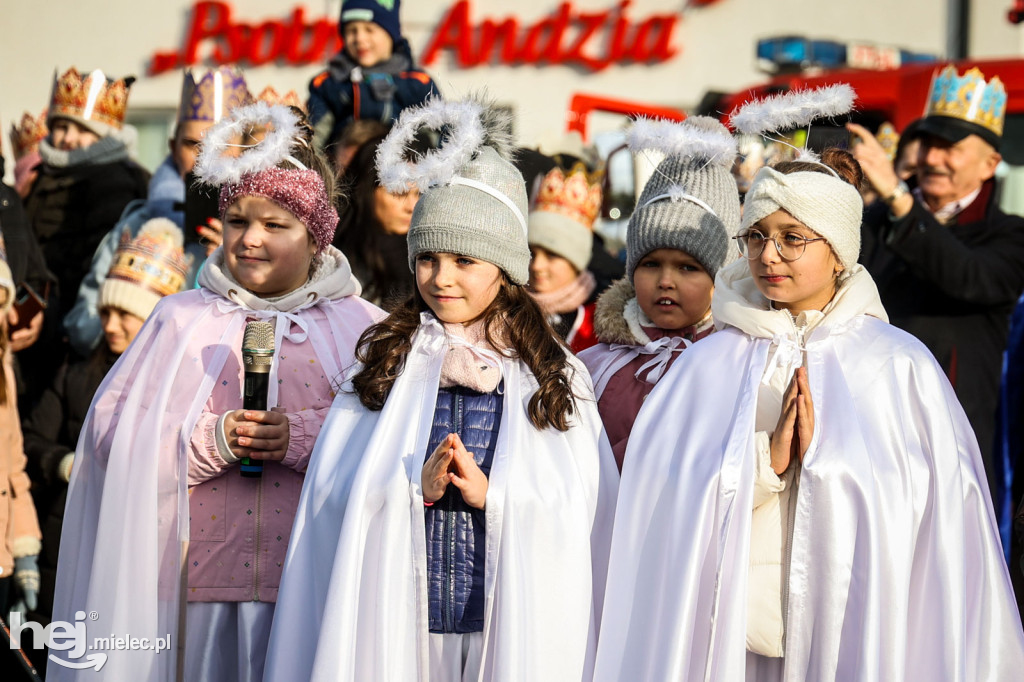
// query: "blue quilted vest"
[[456, 533]]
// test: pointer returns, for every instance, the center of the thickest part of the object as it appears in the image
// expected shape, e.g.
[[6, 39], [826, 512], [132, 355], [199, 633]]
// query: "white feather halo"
[[682, 139], [792, 110], [437, 167], [215, 167]]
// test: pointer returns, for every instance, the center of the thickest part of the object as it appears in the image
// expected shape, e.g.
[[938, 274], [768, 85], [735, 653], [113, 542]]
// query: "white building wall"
[[716, 46]]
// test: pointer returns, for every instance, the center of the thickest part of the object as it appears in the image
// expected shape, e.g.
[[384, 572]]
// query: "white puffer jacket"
[[739, 304]]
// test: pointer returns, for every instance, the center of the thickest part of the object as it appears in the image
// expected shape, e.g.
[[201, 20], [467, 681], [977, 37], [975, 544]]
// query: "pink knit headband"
[[299, 191]]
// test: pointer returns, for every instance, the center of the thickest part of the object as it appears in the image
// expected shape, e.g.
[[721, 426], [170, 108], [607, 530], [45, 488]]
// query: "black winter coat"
[[51, 431], [23, 253], [954, 288], [71, 209]]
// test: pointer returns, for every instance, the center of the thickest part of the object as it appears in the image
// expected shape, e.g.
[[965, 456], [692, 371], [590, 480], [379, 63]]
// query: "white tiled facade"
[[714, 44]]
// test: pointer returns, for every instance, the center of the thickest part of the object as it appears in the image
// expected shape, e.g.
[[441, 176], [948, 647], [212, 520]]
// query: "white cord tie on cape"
[[789, 356], [662, 349], [282, 330]]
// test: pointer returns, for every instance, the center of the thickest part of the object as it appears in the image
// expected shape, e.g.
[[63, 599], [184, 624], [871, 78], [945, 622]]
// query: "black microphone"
[[257, 356]]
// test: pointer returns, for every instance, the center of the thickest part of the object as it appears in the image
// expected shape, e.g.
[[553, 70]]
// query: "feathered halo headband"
[[468, 124], [791, 111], [256, 172], [686, 139]]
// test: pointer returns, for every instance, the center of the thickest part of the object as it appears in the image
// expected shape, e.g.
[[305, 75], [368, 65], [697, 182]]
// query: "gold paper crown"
[[26, 135], [289, 99], [215, 94], [968, 98], [153, 260], [889, 139], [93, 97], [577, 195]]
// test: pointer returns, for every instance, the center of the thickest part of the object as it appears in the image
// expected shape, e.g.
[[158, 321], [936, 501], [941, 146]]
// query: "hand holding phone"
[[27, 304]]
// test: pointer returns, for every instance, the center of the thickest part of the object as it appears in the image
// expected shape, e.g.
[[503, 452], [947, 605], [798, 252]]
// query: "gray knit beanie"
[[474, 199], [691, 203]]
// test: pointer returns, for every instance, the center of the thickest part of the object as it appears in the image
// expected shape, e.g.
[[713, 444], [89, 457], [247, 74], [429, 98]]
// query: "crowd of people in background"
[[776, 435]]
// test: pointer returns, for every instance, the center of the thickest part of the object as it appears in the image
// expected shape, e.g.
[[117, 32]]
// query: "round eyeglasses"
[[790, 245]]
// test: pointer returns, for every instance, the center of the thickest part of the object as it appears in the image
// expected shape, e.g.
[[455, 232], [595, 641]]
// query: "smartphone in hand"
[[27, 303]]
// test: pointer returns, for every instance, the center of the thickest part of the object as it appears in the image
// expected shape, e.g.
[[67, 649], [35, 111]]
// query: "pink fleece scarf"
[[471, 361], [568, 298]]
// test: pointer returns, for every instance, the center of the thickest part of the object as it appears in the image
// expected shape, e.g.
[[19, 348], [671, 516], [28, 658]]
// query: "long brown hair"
[[513, 316]]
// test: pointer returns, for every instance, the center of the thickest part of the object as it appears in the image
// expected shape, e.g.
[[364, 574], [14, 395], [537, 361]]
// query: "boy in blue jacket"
[[372, 77]]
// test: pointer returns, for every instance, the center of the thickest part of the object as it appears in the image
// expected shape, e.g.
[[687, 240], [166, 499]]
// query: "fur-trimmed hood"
[[609, 314]]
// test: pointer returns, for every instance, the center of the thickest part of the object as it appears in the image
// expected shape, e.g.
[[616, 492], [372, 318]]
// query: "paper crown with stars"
[[959, 106]]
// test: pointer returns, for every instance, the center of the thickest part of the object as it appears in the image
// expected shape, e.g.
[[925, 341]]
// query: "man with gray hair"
[[949, 264]]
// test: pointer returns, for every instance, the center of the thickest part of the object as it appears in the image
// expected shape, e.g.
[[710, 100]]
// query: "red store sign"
[[593, 40]]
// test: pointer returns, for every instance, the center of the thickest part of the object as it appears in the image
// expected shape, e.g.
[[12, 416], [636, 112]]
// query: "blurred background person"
[[561, 237], [144, 269], [949, 264], [372, 230], [203, 102], [373, 77]]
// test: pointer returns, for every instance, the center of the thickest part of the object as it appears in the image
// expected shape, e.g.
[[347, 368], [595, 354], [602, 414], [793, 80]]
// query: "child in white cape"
[[803, 497], [158, 513], [678, 238], [457, 507]]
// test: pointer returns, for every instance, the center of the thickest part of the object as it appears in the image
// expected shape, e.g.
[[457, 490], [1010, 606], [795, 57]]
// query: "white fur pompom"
[[215, 166], [792, 110], [683, 139], [466, 134]]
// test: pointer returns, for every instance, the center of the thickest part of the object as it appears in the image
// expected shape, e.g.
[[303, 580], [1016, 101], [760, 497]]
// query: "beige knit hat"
[[145, 269]]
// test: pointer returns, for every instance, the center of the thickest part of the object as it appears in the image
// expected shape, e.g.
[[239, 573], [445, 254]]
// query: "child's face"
[[185, 144], [119, 328], [457, 288], [549, 271], [267, 249], [672, 288], [807, 283], [67, 135], [367, 43]]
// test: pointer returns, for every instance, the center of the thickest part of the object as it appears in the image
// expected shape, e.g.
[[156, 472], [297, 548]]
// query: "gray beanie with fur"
[[469, 221], [474, 200], [691, 202]]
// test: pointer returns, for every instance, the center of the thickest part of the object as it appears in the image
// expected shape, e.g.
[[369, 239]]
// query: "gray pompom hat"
[[473, 199], [691, 202]]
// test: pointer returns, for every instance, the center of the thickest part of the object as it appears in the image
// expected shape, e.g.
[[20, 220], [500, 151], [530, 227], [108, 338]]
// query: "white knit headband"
[[831, 207]]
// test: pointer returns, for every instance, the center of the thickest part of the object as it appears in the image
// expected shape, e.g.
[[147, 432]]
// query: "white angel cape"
[[127, 511], [353, 601], [896, 571]]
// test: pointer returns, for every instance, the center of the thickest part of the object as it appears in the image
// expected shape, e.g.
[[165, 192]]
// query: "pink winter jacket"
[[239, 527]]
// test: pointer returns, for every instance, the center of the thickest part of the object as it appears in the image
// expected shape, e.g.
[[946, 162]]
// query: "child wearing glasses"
[[803, 496], [678, 238]]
